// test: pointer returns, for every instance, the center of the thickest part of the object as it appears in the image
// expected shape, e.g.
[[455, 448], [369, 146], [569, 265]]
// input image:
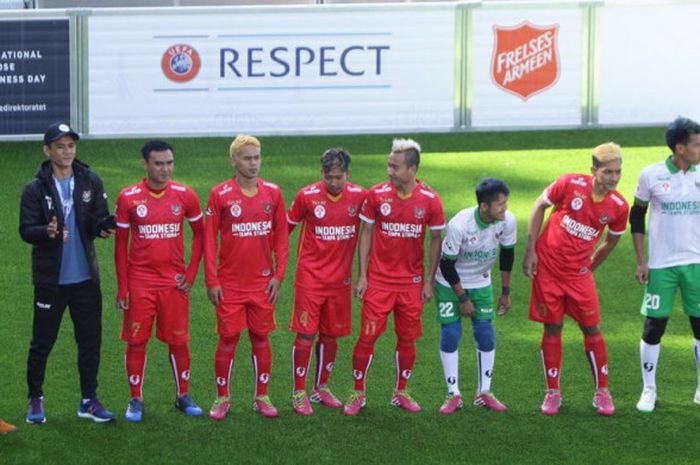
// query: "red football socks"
[[551, 358], [262, 362], [361, 361], [405, 359], [326, 348], [301, 354], [180, 361], [598, 358], [223, 363], [135, 367]]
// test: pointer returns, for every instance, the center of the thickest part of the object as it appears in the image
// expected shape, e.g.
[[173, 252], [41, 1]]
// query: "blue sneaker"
[[95, 411], [134, 412], [187, 405], [35, 411]]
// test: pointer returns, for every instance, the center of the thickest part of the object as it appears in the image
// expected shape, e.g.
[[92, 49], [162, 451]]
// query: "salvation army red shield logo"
[[181, 63], [525, 58]]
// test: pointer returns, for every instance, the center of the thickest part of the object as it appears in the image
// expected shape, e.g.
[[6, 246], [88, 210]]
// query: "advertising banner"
[[34, 75], [526, 67], [273, 71]]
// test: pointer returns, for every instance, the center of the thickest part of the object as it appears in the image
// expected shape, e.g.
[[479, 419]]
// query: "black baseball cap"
[[58, 130]]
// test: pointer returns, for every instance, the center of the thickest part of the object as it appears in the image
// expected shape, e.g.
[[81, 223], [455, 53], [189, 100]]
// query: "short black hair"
[[679, 131], [155, 146], [335, 158], [489, 189]]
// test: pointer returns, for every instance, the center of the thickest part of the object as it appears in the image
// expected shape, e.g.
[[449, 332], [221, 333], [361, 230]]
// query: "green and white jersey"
[[474, 244], [674, 220]]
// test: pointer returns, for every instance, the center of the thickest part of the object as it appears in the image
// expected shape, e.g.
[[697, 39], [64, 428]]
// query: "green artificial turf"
[[452, 164]]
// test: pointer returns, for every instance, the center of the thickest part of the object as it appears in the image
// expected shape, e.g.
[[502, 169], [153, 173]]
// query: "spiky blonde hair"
[[241, 141]]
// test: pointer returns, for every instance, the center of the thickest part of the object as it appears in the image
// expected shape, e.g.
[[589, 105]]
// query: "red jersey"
[[251, 229], [396, 256], [329, 234], [577, 223], [154, 220]]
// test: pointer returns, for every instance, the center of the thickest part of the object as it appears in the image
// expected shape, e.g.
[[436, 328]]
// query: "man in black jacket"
[[63, 210]]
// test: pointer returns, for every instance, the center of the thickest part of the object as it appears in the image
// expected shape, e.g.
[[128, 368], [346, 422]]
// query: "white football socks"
[[450, 366], [649, 358]]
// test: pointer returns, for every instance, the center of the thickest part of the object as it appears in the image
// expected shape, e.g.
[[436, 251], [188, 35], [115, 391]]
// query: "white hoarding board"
[[649, 68], [271, 71], [526, 66]]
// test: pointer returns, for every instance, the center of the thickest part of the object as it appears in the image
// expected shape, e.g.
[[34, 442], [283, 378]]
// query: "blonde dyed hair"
[[241, 141], [605, 153], [410, 149]]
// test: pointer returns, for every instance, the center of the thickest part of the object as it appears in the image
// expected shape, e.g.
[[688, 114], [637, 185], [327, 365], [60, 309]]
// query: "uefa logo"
[[181, 63]]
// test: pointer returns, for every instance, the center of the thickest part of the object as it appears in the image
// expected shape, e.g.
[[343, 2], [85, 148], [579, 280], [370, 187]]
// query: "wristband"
[[505, 290], [463, 298]]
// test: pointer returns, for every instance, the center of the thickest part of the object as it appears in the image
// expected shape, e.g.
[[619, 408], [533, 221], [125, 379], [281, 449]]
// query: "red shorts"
[[329, 313], [406, 304], [240, 310], [552, 297], [171, 305]]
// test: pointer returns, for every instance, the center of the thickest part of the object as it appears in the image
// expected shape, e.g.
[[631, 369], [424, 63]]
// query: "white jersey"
[[474, 244], [674, 221]]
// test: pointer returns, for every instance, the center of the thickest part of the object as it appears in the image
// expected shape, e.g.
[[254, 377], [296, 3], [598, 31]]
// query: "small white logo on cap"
[[64, 128]]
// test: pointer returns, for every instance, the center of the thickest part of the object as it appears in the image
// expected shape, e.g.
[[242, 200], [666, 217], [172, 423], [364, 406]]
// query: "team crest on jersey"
[[267, 207], [319, 211], [352, 211], [576, 203], [604, 219], [236, 210], [87, 196], [420, 213], [142, 211], [176, 209], [181, 63], [385, 208], [666, 186], [472, 240]]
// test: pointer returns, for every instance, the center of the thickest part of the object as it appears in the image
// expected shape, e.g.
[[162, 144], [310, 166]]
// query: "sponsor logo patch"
[[181, 63], [525, 58]]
